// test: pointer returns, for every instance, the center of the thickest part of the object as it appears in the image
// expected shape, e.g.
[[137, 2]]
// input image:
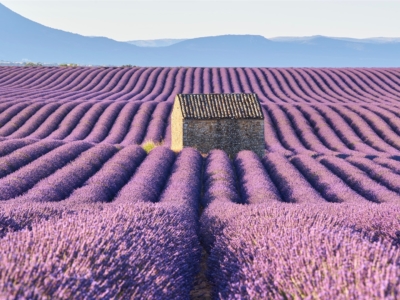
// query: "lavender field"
[[87, 213]]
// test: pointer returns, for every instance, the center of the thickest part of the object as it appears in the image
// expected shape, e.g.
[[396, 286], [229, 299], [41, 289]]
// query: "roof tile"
[[220, 106]]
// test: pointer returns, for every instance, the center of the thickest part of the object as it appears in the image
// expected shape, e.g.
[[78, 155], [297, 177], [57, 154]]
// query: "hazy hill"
[[22, 39], [155, 43]]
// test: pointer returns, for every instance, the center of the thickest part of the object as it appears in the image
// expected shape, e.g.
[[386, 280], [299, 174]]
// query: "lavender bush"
[[117, 252], [295, 252]]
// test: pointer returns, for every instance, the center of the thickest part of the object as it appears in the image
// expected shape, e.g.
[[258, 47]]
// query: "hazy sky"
[[151, 19]]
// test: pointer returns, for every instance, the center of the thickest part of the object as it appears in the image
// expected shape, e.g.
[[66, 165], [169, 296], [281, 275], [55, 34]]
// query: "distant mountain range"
[[169, 42], [155, 43], [25, 40], [376, 40]]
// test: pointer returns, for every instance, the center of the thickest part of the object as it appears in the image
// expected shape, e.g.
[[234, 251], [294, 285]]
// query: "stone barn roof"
[[220, 106]]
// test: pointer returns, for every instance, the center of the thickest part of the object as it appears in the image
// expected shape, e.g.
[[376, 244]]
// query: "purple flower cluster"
[[277, 250], [107, 250], [119, 251], [86, 123], [32, 124], [121, 124], [297, 252], [285, 130], [52, 121], [19, 118], [378, 124], [344, 131], [365, 130], [105, 122], [220, 195], [137, 128], [70, 121]]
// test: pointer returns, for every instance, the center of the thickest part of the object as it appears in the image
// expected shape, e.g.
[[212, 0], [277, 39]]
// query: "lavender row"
[[105, 172], [325, 179], [301, 129], [137, 128], [147, 183], [98, 174], [360, 181], [219, 179], [183, 188], [330, 186], [383, 175], [292, 185], [263, 262], [227, 241], [109, 251], [256, 187], [102, 127], [220, 193], [25, 155], [8, 146], [382, 126], [30, 125], [105, 121], [105, 184], [65, 180], [158, 123], [146, 250], [365, 130], [52, 122], [287, 251], [26, 177], [300, 179], [280, 85]]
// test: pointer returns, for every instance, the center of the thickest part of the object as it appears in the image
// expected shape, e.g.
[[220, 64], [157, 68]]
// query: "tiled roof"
[[220, 106]]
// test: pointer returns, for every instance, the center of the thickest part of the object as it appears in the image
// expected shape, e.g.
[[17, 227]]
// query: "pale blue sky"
[[151, 19]]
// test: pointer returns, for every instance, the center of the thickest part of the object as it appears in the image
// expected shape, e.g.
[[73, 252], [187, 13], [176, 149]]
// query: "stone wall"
[[176, 127], [230, 135]]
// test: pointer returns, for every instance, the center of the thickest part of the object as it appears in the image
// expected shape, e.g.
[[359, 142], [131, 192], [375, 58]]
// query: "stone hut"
[[231, 122]]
